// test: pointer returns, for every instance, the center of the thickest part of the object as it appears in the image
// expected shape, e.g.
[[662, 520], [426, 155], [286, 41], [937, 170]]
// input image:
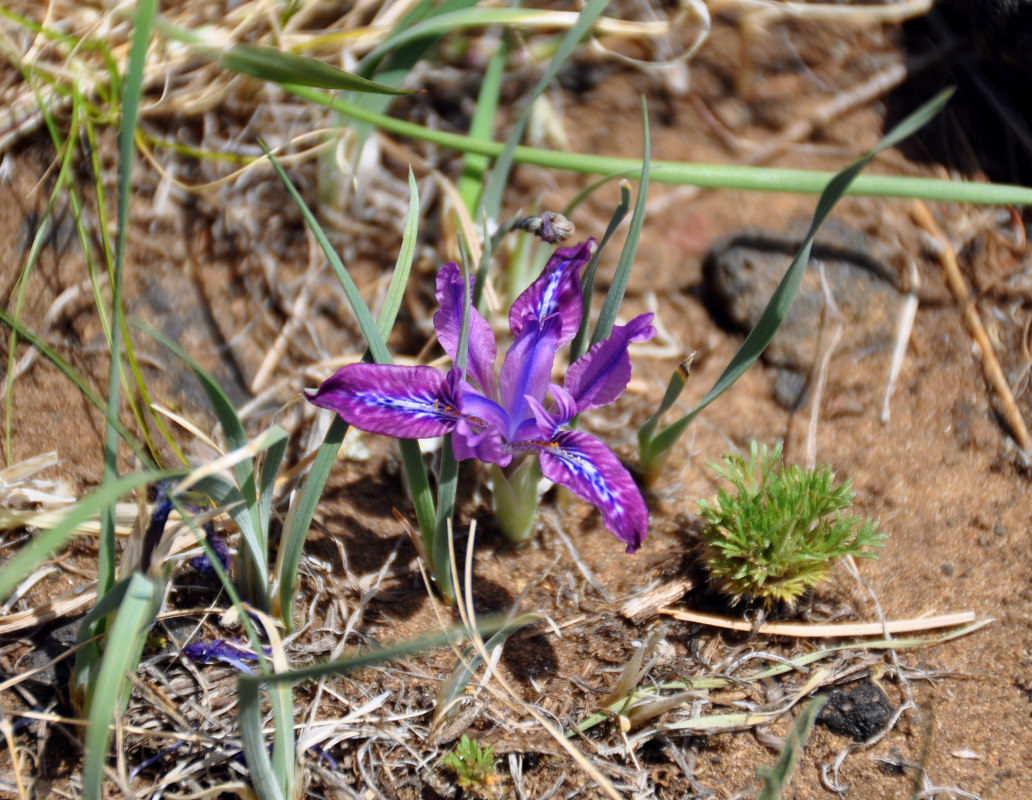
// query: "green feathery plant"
[[778, 532], [473, 765]]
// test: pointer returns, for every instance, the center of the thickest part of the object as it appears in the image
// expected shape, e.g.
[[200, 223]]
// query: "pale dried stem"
[[990, 364], [826, 351], [509, 696], [835, 630], [904, 329]]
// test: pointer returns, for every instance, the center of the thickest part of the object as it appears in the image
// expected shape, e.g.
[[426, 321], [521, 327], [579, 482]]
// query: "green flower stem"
[[516, 499], [709, 176]]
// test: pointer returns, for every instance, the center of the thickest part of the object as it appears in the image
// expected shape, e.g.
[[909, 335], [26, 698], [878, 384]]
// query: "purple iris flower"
[[498, 418]]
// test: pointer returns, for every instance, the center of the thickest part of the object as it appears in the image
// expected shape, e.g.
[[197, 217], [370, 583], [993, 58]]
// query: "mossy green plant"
[[775, 533], [473, 766]]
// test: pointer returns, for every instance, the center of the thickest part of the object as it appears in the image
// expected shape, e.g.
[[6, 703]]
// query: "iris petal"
[[590, 470], [527, 369], [403, 402], [600, 376], [448, 325], [556, 291]]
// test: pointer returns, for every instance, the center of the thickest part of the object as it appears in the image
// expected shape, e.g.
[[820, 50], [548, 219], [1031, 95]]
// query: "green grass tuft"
[[473, 766], [777, 533]]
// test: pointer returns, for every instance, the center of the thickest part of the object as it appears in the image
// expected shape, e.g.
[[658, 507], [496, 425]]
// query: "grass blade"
[[403, 266], [306, 497], [262, 776], [253, 577], [499, 178], [41, 546], [277, 66], [267, 480], [131, 89], [688, 173], [615, 295], [577, 348], [776, 778], [412, 458], [395, 61], [474, 165], [79, 382], [453, 688], [653, 448], [486, 625], [110, 693]]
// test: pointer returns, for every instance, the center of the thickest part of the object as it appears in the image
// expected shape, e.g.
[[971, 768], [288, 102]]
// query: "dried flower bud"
[[548, 227]]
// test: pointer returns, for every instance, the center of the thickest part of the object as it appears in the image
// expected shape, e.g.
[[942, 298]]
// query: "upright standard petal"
[[527, 370], [556, 291], [600, 376], [403, 402], [448, 324], [590, 470]]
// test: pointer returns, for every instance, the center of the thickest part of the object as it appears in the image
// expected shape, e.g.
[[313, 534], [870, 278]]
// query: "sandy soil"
[[941, 475]]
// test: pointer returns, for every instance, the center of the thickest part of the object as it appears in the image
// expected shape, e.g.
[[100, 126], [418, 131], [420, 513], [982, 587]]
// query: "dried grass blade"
[[41, 546]]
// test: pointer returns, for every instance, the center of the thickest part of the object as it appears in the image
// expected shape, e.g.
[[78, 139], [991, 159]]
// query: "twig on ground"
[[993, 372], [823, 631]]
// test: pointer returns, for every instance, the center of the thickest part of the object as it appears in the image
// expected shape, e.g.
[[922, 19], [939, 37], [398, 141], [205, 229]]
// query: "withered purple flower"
[[497, 419], [225, 650]]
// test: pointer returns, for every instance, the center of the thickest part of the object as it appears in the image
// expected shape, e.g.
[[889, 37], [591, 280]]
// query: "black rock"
[[859, 712]]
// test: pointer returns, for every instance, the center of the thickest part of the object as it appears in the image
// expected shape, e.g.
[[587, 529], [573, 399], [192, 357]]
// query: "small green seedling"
[[778, 532], [473, 766]]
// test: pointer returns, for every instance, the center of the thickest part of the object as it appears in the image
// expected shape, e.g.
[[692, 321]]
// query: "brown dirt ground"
[[940, 476]]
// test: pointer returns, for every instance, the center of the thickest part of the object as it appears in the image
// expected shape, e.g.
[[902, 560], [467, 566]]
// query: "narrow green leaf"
[[776, 778], [486, 625], [277, 66], [403, 266], [777, 307], [474, 165], [578, 347], [131, 89], [284, 743], [41, 546], [251, 577], [458, 19], [453, 688], [306, 497], [687, 173], [411, 457], [575, 201], [225, 412], [678, 380], [267, 483], [110, 694], [79, 382], [615, 295], [499, 178], [394, 61], [262, 776], [438, 545]]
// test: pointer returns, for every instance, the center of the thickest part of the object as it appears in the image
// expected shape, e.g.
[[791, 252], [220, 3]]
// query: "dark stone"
[[742, 271], [858, 713]]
